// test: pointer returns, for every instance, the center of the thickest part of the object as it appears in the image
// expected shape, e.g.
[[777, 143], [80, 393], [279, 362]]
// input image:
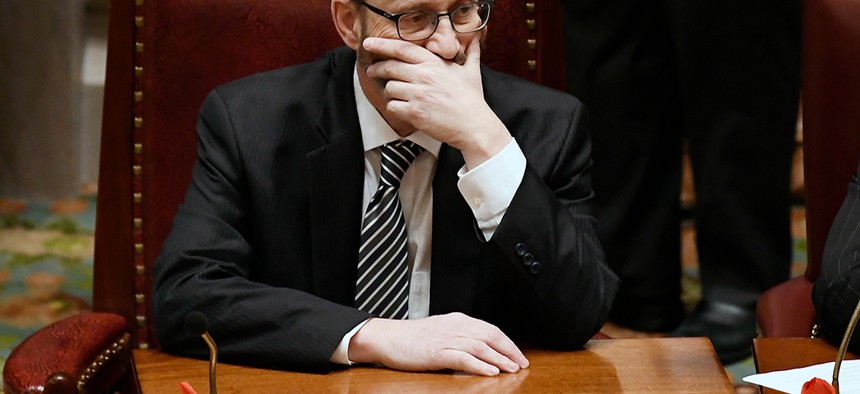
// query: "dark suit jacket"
[[837, 289], [266, 241]]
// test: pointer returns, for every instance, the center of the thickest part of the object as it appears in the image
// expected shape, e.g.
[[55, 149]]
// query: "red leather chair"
[[164, 56], [831, 148]]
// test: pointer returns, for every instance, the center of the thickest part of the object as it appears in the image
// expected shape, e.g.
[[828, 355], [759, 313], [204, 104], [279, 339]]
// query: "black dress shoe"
[[730, 328]]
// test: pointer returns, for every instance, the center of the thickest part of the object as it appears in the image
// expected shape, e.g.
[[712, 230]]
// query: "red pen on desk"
[[185, 388]]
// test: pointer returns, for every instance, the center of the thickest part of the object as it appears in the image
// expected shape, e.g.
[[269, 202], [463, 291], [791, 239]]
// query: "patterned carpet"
[[46, 264], [46, 272]]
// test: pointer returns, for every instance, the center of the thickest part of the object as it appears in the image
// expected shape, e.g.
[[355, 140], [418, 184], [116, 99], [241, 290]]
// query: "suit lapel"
[[337, 176], [456, 255]]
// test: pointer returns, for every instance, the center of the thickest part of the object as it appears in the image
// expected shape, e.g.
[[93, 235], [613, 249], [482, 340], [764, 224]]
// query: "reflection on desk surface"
[[654, 365]]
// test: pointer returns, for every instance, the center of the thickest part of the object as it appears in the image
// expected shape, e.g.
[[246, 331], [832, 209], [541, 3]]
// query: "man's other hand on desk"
[[453, 341]]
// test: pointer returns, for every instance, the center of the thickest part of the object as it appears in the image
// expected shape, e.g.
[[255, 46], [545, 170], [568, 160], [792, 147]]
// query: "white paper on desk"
[[792, 380]]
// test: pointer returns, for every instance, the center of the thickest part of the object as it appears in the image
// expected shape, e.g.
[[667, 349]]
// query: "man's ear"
[[344, 13]]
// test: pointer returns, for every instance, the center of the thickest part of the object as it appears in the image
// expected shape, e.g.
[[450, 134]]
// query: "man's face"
[[445, 42]]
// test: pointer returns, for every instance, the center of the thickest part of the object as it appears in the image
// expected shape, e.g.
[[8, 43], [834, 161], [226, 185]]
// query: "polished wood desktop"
[[657, 365], [776, 354]]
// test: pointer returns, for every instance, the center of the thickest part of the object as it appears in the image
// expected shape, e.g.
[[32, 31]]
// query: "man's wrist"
[[341, 354], [488, 144], [362, 345]]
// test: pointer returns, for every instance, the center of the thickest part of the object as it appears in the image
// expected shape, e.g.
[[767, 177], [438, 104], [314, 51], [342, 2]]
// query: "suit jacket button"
[[528, 259], [535, 267], [520, 249]]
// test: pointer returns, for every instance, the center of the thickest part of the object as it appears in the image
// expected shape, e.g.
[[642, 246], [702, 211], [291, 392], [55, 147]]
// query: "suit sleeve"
[[558, 285], [206, 264], [837, 289]]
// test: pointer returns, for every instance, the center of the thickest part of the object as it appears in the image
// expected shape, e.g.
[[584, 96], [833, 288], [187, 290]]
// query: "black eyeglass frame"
[[396, 18]]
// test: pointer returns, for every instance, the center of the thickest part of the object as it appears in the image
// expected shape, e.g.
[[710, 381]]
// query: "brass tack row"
[[100, 361], [137, 171], [531, 24]]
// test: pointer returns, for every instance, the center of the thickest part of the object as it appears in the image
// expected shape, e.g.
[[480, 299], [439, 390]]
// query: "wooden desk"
[[776, 354], [659, 365]]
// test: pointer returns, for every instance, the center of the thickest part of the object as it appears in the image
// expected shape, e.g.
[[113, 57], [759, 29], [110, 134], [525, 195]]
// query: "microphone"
[[199, 325]]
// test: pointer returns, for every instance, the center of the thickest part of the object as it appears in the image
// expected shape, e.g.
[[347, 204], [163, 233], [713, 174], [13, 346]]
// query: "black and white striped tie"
[[383, 282]]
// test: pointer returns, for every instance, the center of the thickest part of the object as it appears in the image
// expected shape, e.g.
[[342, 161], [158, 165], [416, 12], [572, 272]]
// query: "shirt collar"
[[376, 132]]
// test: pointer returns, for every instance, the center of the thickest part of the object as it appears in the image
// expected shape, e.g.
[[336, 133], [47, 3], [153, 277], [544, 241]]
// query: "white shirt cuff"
[[341, 354], [490, 187]]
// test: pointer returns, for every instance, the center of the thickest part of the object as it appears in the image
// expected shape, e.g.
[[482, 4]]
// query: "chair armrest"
[[786, 310], [87, 352]]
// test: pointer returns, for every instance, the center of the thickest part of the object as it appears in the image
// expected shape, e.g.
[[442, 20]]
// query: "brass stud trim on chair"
[[138, 223], [141, 320], [139, 270], [138, 197], [138, 96], [103, 358], [532, 43], [136, 170], [138, 122], [138, 71], [530, 24], [138, 248], [139, 299], [532, 65], [530, 7], [138, 47], [138, 21], [138, 148]]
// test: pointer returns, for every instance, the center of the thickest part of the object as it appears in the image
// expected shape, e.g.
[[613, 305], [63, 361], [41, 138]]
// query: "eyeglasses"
[[420, 25]]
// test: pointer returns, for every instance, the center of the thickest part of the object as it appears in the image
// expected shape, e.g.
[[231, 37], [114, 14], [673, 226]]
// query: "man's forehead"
[[395, 6]]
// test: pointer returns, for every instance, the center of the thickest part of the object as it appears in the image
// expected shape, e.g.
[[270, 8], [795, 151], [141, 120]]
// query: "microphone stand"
[[843, 347], [213, 355]]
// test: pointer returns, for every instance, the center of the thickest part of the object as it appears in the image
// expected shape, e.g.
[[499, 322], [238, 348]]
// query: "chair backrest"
[[164, 56], [831, 149]]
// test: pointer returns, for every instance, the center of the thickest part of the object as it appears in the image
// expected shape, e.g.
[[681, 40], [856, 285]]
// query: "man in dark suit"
[[837, 289], [268, 240]]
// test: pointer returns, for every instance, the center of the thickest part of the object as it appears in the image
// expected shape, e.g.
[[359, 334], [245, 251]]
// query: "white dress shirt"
[[488, 189]]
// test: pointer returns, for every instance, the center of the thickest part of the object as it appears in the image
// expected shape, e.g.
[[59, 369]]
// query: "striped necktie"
[[383, 281]]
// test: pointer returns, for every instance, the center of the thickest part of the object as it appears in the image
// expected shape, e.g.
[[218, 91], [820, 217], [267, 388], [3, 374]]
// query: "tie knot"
[[396, 158]]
